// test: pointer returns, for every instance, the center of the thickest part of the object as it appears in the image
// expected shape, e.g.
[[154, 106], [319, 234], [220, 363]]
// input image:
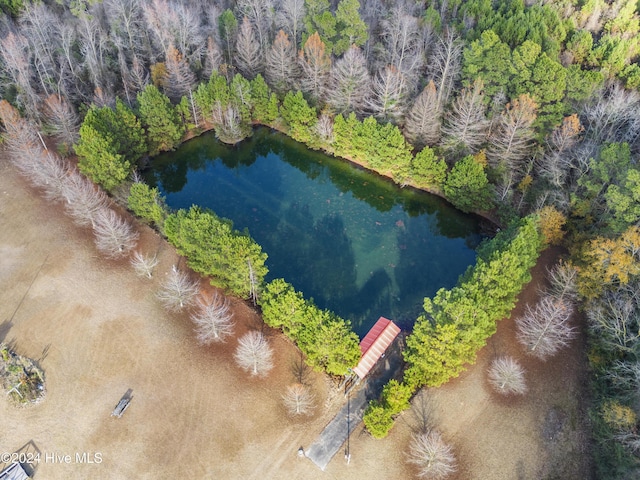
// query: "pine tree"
[[467, 186], [160, 120], [350, 28], [265, 103]]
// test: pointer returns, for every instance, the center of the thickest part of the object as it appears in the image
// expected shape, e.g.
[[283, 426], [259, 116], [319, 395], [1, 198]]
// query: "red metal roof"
[[375, 343]]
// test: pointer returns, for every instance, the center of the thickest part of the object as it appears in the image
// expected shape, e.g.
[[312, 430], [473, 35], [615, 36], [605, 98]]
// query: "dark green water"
[[351, 240]]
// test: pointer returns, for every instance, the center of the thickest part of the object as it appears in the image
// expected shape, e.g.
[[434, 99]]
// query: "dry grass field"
[[97, 330]]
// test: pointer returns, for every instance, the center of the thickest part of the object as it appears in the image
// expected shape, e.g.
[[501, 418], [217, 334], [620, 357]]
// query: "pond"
[[353, 241]]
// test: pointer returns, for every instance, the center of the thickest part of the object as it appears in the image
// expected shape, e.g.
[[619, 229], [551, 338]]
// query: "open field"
[[97, 330]]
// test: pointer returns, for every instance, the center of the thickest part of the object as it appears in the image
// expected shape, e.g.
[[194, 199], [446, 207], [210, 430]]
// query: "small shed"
[[374, 344], [14, 472]]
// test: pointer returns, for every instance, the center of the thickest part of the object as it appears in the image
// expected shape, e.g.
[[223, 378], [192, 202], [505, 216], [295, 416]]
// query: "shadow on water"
[[353, 241]]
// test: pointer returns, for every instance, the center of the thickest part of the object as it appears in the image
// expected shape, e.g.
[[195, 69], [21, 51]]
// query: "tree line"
[[459, 77]]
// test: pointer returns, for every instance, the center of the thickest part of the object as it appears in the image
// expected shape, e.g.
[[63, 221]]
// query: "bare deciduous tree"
[[254, 354], [213, 319], [114, 236], [212, 58], [513, 139], [179, 79], [615, 318], [350, 82], [432, 456], [613, 115], [16, 52], [324, 127], [83, 200], [62, 119], [177, 291], [259, 13], [563, 279], [424, 120], [298, 400], [143, 264], [387, 101], [94, 45], [248, 51], [316, 64], [507, 376], [466, 124], [282, 68], [174, 23], [227, 123], [625, 376], [401, 35], [445, 65], [127, 27], [41, 26], [545, 329], [556, 164], [290, 17]]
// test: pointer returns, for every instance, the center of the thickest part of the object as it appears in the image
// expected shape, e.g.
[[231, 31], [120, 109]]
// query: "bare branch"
[[467, 124], [389, 91], [433, 457], [563, 278], [248, 51], [545, 330], [143, 264], [424, 120], [83, 200], [350, 82], [324, 128], [298, 400], [213, 319], [282, 68], [114, 236], [254, 354], [177, 291], [507, 376]]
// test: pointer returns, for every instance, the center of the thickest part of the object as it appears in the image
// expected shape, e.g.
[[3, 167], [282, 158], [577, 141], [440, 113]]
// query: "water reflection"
[[351, 240]]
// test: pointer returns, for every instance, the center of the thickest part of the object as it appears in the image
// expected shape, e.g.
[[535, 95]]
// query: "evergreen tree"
[[457, 322], [489, 59], [110, 143], [319, 20], [265, 103], [232, 259], [467, 186], [147, 203], [350, 28], [300, 117], [427, 170], [98, 161], [160, 120]]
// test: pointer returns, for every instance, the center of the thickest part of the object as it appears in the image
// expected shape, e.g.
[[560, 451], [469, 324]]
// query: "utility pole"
[[347, 453]]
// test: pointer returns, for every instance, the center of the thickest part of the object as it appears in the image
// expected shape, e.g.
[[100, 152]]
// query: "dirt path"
[[97, 330]]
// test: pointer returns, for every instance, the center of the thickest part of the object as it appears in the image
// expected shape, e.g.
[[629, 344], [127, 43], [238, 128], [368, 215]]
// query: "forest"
[[527, 112]]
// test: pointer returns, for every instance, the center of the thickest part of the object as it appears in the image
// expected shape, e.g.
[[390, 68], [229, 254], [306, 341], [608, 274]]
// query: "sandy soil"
[[97, 330]]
